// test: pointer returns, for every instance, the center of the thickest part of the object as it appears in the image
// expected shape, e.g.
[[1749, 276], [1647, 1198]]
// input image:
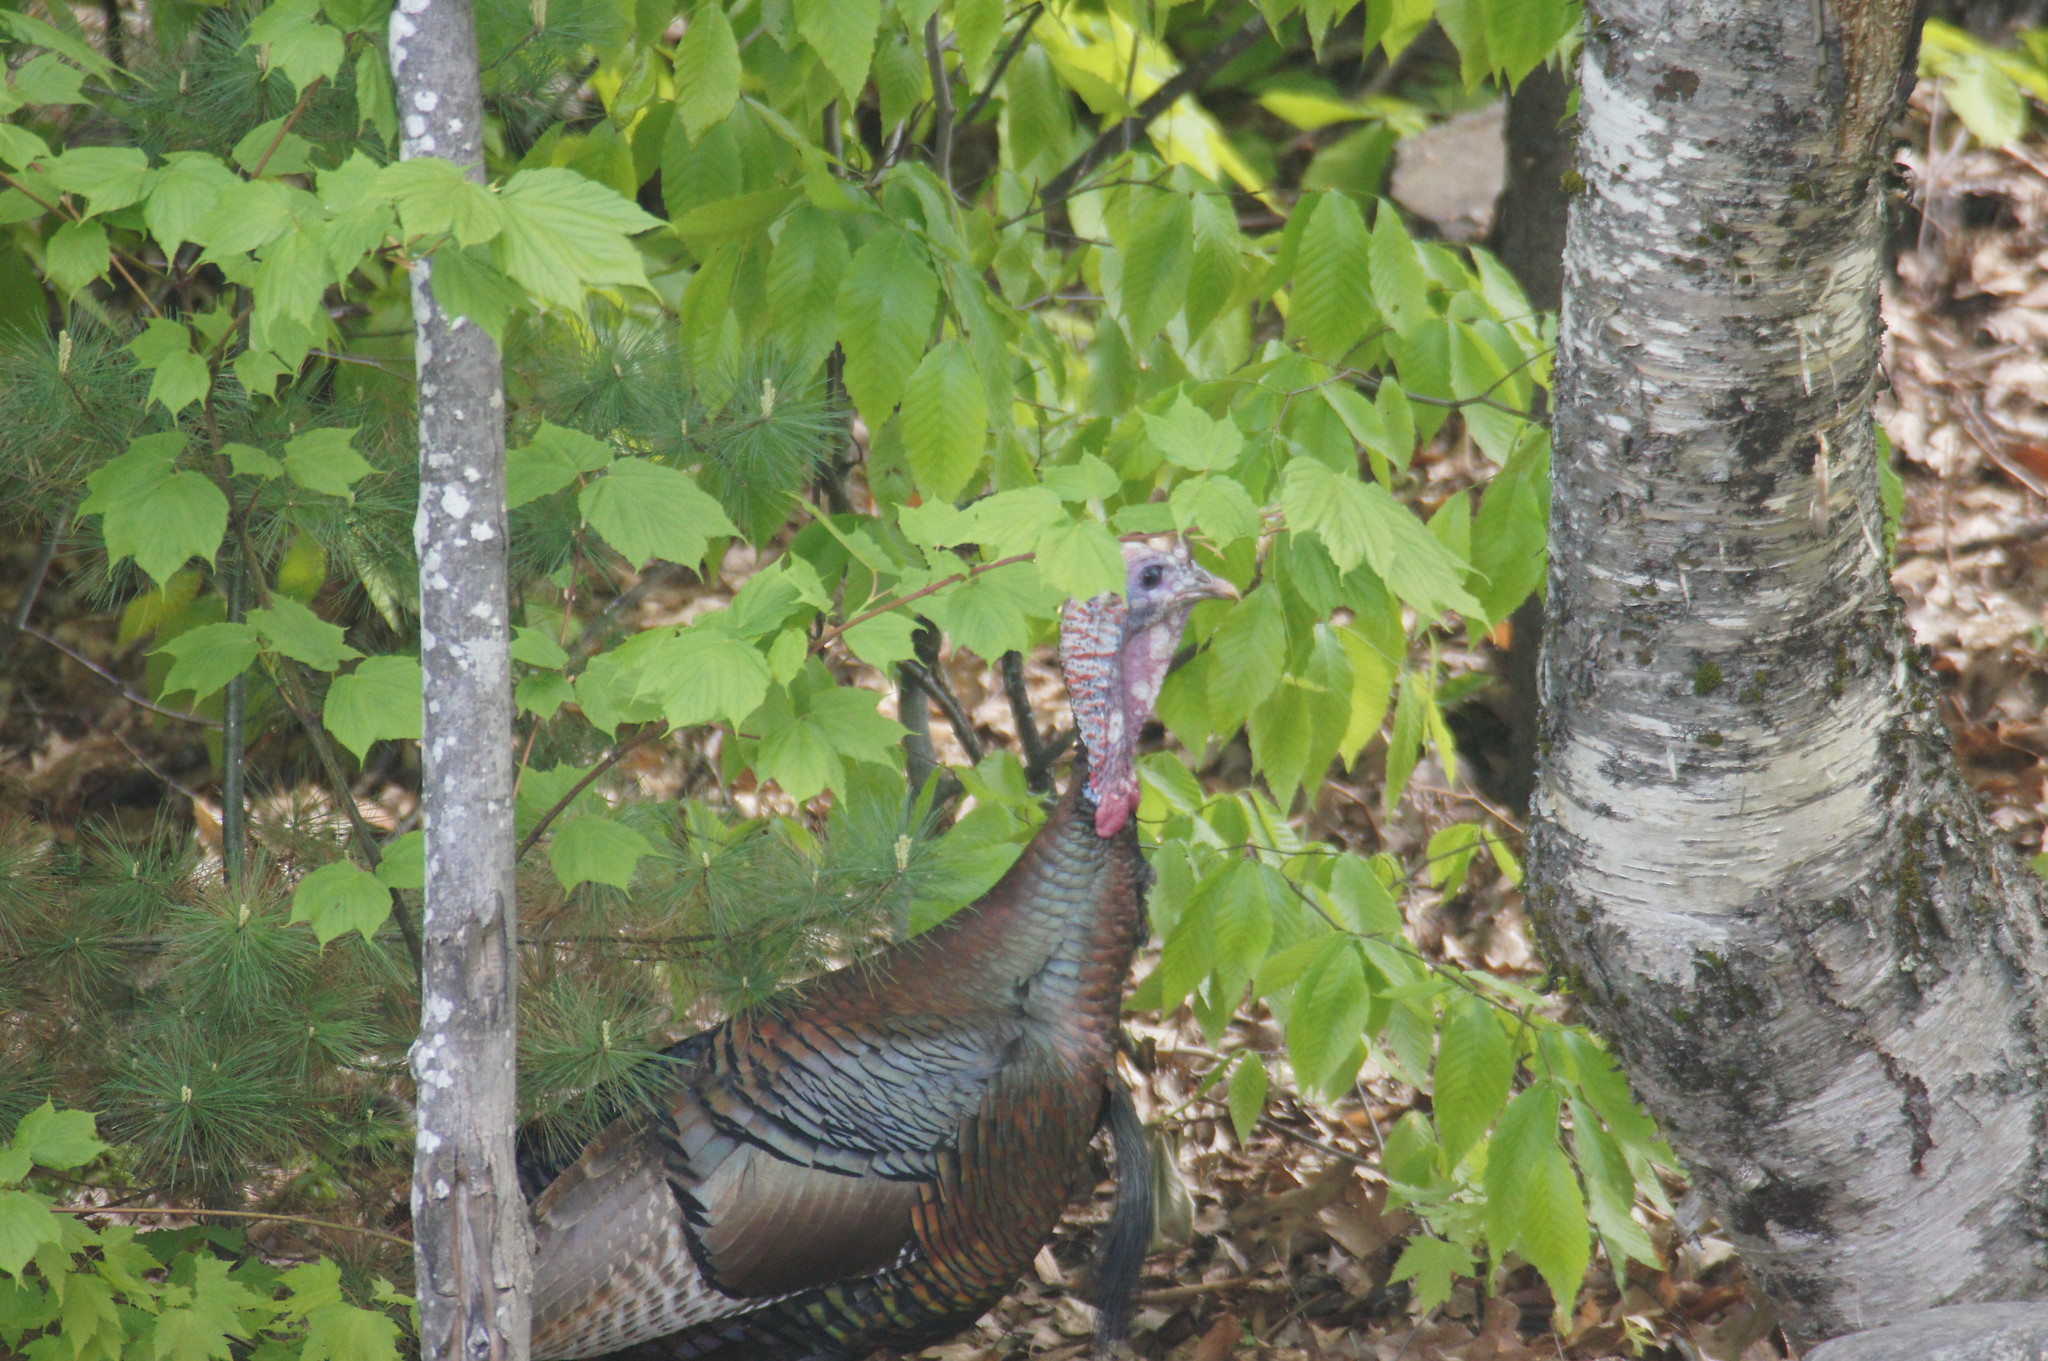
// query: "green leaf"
[[181, 376], [1081, 559], [405, 862], [1247, 1096], [538, 647], [1404, 744], [341, 897], [1511, 533], [467, 284], [48, 80], [804, 277], [209, 657], [543, 694], [160, 518], [1984, 97], [76, 254], [884, 640], [59, 1139], [885, 315], [26, 1224], [290, 628], [978, 26], [707, 70], [1188, 436], [1247, 649], [986, 614], [842, 33], [325, 461], [1331, 1003], [202, 1331], [1361, 522], [944, 421], [379, 699], [435, 198], [1400, 285], [1433, 1265], [1331, 306], [648, 510], [1533, 1201], [109, 177], [342, 1332], [291, 39], [1519, 35], [1474, 1066], [554, 458], [596, 850], [699, 674], [564, 233], [1154, 244], [1218, 507]]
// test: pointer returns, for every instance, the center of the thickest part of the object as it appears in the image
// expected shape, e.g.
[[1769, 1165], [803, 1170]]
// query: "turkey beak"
[[1198, 584]]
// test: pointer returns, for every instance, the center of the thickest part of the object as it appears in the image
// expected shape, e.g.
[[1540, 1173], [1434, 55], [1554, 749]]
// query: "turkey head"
[[1115, 651]]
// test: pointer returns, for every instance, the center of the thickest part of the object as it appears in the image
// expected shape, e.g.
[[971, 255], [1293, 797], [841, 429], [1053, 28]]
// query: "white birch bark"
[[1756, 862], [469, 1219]]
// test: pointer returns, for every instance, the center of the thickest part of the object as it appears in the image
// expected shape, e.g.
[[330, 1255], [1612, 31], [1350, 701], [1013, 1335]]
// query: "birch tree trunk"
[[469, 1220], [1759, 867]]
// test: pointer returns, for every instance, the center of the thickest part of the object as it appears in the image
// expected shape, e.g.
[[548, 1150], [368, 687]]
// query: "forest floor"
[[1288, 1244]]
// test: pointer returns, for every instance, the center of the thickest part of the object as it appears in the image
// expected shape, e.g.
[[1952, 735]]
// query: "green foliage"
[[847, 389], [69, 1289], [1989, 88]]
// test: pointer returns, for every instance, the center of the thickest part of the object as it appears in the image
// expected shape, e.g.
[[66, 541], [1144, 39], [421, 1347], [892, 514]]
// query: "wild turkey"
[[873, 1158]]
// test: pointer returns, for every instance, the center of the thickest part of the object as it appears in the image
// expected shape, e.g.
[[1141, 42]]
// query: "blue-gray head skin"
[[1115, 650]]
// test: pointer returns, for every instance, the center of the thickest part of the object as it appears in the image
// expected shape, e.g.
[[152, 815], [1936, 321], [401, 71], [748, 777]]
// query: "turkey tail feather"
[[1120, 1251]]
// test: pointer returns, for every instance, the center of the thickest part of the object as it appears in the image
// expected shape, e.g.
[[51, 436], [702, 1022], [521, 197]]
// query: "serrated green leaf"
[[76, 254], [1434, 1265], [596, 850], [885, 314], [564, 233], [551, 460], [543, 694], [1331, 306], [987, 613], [1218, 507], [1400, 285], [380, 699], [1331, 1003], [1361, 522], [109, 177], [435, 198], [26, 1224], [707, 70], [804, 277], [884, 640], [290, 628], [1246, 646], [842, 33], [1475, 1065], [468, 284], [404, 863], [699, 675], [291, 39], [1081, 559], [648, 510], [209, 657], [1154, 243], [342, 1332], [945, 423], [1533, 1201], [59, 1139], [1189, 437], [325, 461], [1247, 1100], [341, 897]]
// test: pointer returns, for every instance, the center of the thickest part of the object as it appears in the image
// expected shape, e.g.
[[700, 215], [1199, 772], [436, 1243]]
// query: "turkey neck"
[[1055, 935]]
